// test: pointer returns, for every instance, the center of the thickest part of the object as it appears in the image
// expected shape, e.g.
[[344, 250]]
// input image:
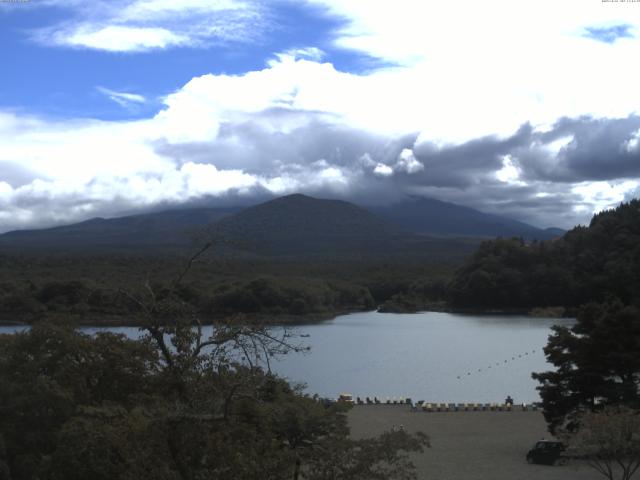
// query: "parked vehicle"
[[346, 398], [547, 452]]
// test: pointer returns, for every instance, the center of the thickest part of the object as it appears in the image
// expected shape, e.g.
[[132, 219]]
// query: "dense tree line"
[[89, 289], [423, 294], [175, 404], [104, 407], [592, 397], [587, 264], [286, 295], [594, 272], [262, 295]]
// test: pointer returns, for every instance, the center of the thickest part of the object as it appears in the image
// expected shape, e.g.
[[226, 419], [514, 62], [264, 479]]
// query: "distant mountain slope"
[[167, 229], [432, 217], [300, 224], [291, 225]]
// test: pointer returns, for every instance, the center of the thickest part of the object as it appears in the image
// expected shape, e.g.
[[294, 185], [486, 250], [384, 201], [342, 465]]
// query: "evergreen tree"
[[597, 364]]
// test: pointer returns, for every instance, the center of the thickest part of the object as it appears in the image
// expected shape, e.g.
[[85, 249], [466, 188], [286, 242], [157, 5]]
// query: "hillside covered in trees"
[[91, 290], [174, 405], [587, 264]]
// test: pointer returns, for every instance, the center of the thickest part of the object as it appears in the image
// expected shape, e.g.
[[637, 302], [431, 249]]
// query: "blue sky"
[[67, 82], [529, 109]]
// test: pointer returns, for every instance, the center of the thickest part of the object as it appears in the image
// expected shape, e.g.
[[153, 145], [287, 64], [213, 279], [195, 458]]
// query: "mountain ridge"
[[290, 224], [429, 216]]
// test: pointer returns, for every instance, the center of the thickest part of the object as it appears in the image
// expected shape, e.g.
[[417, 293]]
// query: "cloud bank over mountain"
[[487, 110]]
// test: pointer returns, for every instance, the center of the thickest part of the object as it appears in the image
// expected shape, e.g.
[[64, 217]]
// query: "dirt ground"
[[470, 445]]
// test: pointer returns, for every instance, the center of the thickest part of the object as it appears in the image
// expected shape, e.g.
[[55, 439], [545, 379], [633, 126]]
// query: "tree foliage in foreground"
[[597, 364], [173, 405], [610, 441]]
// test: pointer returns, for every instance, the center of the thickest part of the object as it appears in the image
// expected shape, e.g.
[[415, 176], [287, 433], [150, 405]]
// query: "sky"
[[529, 109]]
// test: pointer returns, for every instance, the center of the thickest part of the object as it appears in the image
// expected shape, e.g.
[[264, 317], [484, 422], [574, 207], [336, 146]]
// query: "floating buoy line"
[[497, 364]]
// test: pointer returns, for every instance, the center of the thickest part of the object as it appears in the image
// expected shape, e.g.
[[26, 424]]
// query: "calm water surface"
[[438, 357]]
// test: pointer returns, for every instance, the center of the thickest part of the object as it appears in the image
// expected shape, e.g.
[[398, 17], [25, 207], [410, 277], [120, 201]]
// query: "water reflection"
[[438, 357]]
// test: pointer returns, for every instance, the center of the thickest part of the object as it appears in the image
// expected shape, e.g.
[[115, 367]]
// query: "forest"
[[107, 407], [176, 404], [588, 264], [90, 289]]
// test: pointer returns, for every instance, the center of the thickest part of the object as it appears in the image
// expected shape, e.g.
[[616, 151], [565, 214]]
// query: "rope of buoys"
[[521, 355]]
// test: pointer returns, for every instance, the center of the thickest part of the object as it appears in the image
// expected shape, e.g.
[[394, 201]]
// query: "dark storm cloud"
[[470, 163], [303, 153], [591, 150], [531, 176], [597, 149], [256, 149]]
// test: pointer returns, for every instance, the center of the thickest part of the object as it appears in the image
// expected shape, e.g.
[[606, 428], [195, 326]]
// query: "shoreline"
[[259, 319], [279, 320]]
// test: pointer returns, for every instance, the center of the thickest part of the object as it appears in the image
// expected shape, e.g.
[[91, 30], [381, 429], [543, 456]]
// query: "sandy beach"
[[470, 445]]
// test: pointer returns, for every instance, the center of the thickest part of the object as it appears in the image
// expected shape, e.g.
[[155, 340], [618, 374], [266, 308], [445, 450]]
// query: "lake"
[[437, 357]]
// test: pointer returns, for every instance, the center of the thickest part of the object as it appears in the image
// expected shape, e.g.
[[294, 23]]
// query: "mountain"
[[169, 229], [291, 225], [297, 224], [432, 217], [555, 232]]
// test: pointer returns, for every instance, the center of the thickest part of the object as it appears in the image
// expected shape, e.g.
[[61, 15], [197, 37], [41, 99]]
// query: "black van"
[[547, 452]]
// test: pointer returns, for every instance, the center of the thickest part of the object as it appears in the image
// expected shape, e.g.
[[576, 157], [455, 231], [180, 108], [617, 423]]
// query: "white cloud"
[[142, 25], [407, 162], [195, 112], [71, 201], [124, 99], [408, 30], [632, 145], [456, 72], [85, 165], [383, 170], [309, 53], [206, 179], [557, 145], [78, 150], [115, 38], [509, 173], [487, 67], [598, 196], [466, 69], [87, 168], [150, 9]]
